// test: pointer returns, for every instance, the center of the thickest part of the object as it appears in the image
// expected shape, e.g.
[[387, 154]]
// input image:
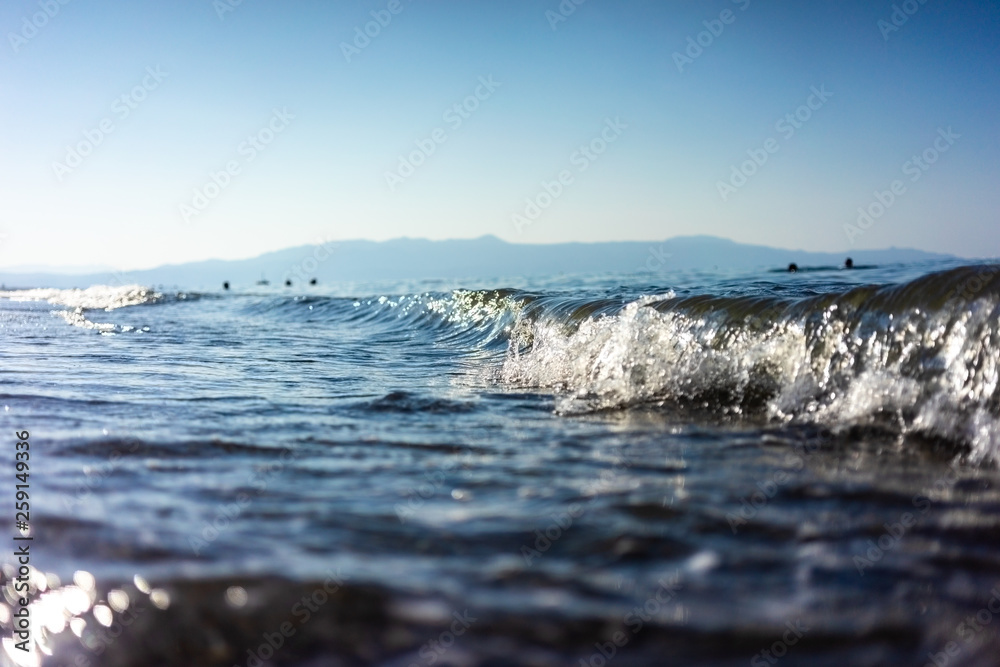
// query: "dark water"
[[704, 469]]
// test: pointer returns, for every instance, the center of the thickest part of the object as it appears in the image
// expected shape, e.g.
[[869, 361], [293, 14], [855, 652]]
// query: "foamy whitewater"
[[693, 469]]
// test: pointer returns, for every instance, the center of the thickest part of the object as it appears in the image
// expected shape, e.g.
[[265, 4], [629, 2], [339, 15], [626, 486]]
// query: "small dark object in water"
[[225, 285], [288, 283], [793, 267], [848, 263], [312, 281]]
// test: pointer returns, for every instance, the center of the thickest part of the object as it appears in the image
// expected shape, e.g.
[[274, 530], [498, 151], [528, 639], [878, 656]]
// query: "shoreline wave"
[[918, 358]]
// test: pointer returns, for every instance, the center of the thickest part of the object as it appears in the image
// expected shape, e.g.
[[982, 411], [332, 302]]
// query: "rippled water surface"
[[705, 469]]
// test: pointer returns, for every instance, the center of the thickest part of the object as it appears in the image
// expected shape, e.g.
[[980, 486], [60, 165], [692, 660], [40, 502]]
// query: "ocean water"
[[712, 468]]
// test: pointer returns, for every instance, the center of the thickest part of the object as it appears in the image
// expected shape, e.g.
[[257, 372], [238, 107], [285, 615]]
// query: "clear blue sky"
[[673, 129]]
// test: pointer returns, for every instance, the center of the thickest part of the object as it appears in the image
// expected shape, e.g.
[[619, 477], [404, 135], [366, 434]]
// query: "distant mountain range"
[[480, 258]]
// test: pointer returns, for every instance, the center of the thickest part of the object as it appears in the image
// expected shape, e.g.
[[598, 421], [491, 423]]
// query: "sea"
[[721, 467]]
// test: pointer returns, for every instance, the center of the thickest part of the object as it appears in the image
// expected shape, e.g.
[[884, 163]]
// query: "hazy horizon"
[[163, 134], [70, 270]]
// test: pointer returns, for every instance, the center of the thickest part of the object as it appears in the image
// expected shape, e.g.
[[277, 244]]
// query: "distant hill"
[[484, 257]]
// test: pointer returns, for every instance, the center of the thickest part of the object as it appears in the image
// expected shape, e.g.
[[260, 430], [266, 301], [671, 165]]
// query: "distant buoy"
[[793, 267], [288, 283]]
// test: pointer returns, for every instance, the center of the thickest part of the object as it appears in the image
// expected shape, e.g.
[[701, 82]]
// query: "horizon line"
[[83, 270]]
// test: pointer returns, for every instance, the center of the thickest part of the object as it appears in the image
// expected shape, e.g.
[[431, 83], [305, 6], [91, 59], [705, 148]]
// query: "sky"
[[139, 133]]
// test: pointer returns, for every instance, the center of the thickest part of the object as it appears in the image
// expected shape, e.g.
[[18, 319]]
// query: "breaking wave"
[[919, 358], [98, 297], [76, 303]]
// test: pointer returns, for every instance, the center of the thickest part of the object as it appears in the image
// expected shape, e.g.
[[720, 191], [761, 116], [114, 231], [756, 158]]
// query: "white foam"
[[97, 297], [931, 374]]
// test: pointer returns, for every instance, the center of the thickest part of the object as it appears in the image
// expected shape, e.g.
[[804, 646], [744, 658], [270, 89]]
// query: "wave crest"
[[919, 358]]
